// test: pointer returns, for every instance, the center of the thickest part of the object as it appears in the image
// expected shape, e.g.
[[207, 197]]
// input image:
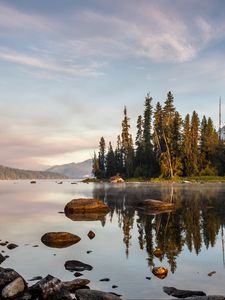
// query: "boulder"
[[116, 179], [160, 272], [87, 205], [59, 239], [7, 276], [172, 291], [12, 246], [76, 265], [94, 295], [75, 284], [14, 288], [46, 287], [2, 258], [209, 297]]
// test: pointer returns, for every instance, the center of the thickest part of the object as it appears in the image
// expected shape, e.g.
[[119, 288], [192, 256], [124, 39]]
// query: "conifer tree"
[[186, 146], [95, 167], [110, 162], [119, 157], [194, 163], [139, 159], [101, 157]]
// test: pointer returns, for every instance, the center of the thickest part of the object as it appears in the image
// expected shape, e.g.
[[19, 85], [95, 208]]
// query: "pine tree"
[[119, 157], [101, 157], [194, 162], [139, 159], [110, 162], [127, 146], [176, 145], [186, 146], [158, 141], [149, 158], [95, 167]]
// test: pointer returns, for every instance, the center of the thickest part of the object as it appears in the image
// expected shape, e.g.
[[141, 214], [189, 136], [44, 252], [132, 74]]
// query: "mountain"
[[12, 173], [74, 170]]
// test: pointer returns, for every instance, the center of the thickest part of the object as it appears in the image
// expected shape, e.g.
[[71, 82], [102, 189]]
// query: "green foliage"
[[165, 146]]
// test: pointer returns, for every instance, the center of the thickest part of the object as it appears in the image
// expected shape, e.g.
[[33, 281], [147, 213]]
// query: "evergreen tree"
[[110, 162], [95, 167], [194, 162], [119, 157], [139, 159], [127, 146], [176, 144], [158, 140], [101, 157], [186, 146], [149, 159]]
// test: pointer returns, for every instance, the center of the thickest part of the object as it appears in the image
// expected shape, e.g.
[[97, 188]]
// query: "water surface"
[[191, 237]]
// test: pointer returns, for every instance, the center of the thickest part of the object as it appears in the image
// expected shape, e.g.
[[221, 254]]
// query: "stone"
[[12, 246], [33, 182], [35, 278], [75, 284], [104, 279], [114, 286], [3, 243], [158, 252], [84, 294], [7, 276], [91, 234], [14, 288], [172, 291], [76, 265], [116, 179], [78, 274], [148, 278], [87, 205], [2, 258], [160, 272], [211, 273], [209, 297], [89, 251], [46, 287], [59, 239]]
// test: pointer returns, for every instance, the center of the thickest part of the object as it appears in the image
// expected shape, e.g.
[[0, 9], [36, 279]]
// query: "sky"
[[69, 67]]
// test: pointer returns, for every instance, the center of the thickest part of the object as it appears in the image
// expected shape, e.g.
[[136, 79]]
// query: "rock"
[[2, 258], [89, 251], [33, 182], [78, 274], [211, 273], [59, 239], [91, 234], [14, 288], [12, 246], [181, 293], [46, 287], [158, 252], [104, 279], [75, 265], [156, 205], [7, 276], [210, 297], [86, 216], [75, 284], [160, 272], [116, 179], [3, 243], [86, 205], [94, 295], [35, 278], [148, 278], [114, 286], [35, 246]]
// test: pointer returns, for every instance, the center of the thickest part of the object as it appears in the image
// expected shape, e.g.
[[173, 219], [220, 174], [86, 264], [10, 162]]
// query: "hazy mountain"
[[11, 173], [74, 170]]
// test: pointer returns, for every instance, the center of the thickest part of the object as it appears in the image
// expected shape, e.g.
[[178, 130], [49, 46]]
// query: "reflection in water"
[[199, 216]]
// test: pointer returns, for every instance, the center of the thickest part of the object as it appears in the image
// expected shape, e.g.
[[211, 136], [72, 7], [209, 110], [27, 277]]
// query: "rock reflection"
[[197, 221]]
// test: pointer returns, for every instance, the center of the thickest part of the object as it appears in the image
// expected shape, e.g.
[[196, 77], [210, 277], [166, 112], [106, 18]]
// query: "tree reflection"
[[197, 221]]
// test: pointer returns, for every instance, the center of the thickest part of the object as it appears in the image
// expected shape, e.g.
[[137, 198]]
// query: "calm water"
[[191, 238]]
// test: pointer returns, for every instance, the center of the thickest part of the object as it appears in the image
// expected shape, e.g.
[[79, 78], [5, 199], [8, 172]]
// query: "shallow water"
[[191, 237]]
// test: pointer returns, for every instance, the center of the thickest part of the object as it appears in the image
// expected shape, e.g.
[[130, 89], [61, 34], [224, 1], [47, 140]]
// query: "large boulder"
[[7, 276], [59, 239], [75, 284], [76, 265], [86, 209], [94, 295]]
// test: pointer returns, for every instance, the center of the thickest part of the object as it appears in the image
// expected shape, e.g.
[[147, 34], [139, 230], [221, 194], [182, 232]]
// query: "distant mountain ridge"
[[74, 170], [12, 173]]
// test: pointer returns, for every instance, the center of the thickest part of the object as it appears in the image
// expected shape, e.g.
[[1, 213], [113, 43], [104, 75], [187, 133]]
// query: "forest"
[[166, 145]]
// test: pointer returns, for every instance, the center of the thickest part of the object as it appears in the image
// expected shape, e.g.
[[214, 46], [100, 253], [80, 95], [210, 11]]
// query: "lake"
[[191, 237]]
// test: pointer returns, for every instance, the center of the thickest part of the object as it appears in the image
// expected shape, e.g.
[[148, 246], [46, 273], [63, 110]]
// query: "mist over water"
[[191, 237]]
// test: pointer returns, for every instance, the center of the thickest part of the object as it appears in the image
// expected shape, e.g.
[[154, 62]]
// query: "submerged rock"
[[94, 295], [12, 246], [160, 272], [76, 265], [75, 284], [14, 288], [59, 239], [172, 291], [104, 279]]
